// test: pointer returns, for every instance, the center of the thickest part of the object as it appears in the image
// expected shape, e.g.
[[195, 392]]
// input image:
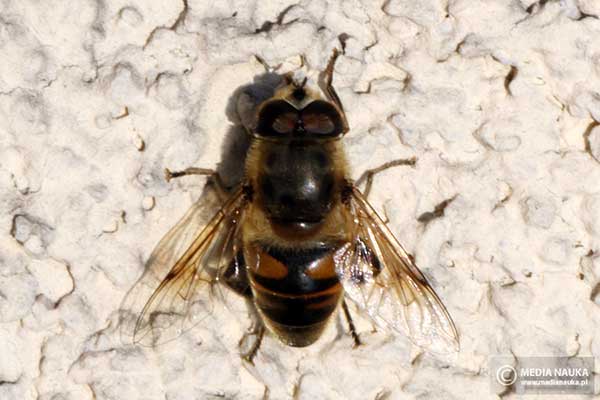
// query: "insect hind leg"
[[236, 279], [351, 326], [252, 339]]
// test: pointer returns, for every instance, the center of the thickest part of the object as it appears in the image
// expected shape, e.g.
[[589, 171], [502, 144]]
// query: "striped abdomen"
[[295, 290]]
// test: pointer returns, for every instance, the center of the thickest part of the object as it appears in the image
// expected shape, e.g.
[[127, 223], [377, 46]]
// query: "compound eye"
[[276, 118], [318, 123], [321, 118], [285, 123]]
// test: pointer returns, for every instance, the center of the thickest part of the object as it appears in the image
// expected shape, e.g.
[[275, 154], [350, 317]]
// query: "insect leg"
[[257, 331], [357, 341], [369, 174], [326, 80], [267, 67], [189, 171], [211, 173]]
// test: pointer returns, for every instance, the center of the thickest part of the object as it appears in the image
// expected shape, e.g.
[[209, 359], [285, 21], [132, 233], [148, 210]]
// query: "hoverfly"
[[296, 237]]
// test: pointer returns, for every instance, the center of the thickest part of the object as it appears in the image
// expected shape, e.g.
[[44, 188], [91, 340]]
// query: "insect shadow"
[[228, 174], [240, 110]]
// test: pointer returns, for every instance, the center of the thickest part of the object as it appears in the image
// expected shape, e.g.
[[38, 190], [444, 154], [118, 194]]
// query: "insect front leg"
[[326, 80]]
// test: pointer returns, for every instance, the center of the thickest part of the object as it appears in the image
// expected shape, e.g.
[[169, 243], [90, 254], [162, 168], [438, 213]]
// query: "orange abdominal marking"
[[321, 268], [262, 264]]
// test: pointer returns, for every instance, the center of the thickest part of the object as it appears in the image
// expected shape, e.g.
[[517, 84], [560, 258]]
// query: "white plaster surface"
[[496, 99]]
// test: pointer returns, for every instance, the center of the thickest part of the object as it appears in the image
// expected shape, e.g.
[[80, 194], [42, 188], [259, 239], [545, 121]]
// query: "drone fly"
[[296, 237]]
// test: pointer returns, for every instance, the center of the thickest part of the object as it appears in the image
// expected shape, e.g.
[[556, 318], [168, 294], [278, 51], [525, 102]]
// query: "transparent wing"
[[380, 277], [176, 291]]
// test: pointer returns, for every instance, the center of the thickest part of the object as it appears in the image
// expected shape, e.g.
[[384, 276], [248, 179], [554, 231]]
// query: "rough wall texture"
[[498, 101]]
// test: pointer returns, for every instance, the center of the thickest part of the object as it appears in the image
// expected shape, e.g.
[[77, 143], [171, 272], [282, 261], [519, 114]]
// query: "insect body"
[[296, 237]]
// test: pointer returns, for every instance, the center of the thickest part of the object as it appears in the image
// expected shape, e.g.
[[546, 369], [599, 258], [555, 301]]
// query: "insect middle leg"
[[369, 174], [213, 177]]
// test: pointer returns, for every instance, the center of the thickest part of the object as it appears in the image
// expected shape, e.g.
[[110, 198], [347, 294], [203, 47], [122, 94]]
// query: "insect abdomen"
[[295, 290]]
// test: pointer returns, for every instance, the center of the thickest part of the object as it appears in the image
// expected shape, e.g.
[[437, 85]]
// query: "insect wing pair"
[[180, 286], [306, 228]]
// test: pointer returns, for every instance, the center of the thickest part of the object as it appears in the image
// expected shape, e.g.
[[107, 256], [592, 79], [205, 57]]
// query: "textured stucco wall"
[[498, 101]]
